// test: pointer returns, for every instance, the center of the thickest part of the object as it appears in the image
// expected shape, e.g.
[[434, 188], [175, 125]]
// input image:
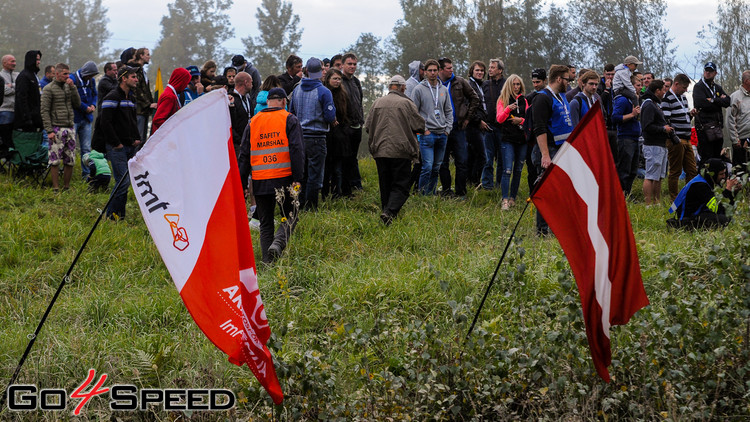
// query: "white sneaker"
[[506, 205], [254, 224]]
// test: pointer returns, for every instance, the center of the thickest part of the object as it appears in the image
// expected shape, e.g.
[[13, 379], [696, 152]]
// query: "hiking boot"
[[274, 251]]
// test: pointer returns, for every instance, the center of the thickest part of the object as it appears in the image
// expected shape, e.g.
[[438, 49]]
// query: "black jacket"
[[28, 107], [106, 85], [116, 123], [354, 108], [653, 121], [709, 103], [239, 117], [492, 90], [479, 112], [288, 82]]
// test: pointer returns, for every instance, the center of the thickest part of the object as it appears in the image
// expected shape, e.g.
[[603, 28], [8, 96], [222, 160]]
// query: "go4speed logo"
[[121, 397]]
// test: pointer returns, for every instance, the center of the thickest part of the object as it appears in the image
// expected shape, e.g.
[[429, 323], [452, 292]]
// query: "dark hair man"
[[478, 126], [107, 83], [625, 118], [680, 151], [584, 100], [710, 100], [144, 98], [293, 69], [738, 121], [696, 206], [433, 102], [668, 83], [552, 125], [117, 130], [273, 136], [350, 165], [492, 88], [49, 75], [465, 102], [393, 123], [539, 82], [579, 85], [59, 99]]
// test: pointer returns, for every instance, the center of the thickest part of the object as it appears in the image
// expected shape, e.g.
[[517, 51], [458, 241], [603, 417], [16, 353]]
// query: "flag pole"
[[497, 268], [65, 279]]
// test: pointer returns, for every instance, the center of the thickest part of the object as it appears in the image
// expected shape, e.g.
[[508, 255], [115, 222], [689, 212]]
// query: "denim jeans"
[[513, 155], [432, 148], [457, 147], [315, 152], [119, 159], [83, 130], [542, 227], [492, 151]]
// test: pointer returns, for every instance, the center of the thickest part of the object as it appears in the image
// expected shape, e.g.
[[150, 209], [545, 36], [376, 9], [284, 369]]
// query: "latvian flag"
[[188, 188], [580, 198]]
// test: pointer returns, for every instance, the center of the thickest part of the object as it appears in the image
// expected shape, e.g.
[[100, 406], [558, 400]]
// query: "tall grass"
[[369, 320]]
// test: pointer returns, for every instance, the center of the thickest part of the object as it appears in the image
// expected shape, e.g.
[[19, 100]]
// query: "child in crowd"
[[621, 84], [99, 172]]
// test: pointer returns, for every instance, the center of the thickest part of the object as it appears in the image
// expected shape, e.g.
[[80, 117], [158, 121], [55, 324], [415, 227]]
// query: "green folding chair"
[[28, 157]]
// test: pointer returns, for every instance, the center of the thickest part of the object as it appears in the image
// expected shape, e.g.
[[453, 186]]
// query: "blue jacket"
[[312, 103], [261, 102], [86, 90], [630, 129]]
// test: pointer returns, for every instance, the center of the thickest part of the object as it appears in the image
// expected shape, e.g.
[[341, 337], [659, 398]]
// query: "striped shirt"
[[677, 114]]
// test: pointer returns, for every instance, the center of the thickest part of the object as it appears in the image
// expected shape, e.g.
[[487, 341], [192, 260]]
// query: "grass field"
[[369, 321]]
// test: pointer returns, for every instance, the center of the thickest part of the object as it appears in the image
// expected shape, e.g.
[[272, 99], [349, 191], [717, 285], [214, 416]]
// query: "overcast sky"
[[332, 25]]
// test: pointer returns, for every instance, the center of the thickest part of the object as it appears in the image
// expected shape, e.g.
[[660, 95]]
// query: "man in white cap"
[[393, 124], [621, 84]]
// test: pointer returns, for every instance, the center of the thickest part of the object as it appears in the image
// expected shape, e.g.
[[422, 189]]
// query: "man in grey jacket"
[[416, 74], [393, 123], [433, 102]]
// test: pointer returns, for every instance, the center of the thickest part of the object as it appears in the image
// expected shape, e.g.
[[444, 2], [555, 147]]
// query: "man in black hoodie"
[[28, 112]]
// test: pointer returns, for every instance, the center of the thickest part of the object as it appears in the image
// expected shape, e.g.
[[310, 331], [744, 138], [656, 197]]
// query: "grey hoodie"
[[89, 69], [414, 77], [423, 96]]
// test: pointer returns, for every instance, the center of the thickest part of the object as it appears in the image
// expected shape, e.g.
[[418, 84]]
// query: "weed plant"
[[369, 321]]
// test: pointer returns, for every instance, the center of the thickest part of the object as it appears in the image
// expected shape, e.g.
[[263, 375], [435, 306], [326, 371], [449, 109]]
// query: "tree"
[[279, 36], [725, 41], [70, 33], [621, 28], [371, 67], [559, 45], [429, 29], [191, 33]]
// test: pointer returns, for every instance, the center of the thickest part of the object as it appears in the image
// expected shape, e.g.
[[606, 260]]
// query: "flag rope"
[[66, 278], [497, 268]]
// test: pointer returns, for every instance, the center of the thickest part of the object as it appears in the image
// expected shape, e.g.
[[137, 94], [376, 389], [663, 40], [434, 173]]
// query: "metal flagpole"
[[66, 278]]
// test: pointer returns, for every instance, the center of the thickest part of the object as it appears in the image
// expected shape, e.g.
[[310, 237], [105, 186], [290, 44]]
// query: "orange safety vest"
[[269, 146]]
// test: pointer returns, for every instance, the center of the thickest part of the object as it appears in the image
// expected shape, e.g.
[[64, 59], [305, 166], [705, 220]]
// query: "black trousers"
[[394, 176], [707, 149], [350, 166], [265, 206]]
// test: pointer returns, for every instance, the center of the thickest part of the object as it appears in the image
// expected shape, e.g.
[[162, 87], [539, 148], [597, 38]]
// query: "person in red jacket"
[[169, 102]]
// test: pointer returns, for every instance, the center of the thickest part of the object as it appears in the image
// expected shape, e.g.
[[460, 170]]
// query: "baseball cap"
[[238, 60], [124, 70], [632, 60], [397, 80], [710, 65], [193, 70], [276, 94], [314, 68], [539, 73]]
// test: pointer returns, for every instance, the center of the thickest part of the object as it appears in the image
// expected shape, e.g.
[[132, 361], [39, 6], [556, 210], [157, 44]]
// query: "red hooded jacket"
[[168, 102]]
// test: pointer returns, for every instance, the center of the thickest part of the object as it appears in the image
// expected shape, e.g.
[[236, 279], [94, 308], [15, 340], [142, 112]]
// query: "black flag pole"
[[65, 279], [497, 268]]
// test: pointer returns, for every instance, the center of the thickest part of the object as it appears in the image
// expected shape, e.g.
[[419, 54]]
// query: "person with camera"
[[696, 206], [710, 100], [656, 131]]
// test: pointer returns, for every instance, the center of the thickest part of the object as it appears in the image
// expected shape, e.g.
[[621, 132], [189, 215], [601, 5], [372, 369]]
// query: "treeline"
[[525, 34]]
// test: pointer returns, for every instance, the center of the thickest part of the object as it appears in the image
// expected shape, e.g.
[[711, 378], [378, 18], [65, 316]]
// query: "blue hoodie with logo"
[[312, 103], [86, 90]]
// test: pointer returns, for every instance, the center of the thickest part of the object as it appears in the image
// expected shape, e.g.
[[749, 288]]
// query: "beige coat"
[[393, 123]]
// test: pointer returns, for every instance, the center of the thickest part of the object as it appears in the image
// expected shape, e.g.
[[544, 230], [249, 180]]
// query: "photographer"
[[696, 205]]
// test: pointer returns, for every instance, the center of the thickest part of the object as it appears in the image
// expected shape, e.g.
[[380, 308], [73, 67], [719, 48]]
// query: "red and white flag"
[[188, 188], [581, 199]]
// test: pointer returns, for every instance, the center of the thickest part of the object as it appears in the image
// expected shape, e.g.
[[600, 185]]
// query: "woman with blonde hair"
[[511, 113]]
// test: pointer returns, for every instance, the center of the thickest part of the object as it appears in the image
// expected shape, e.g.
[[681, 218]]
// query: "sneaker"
[[386, 218], [254, 224], [512, 202], [506, 205]]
